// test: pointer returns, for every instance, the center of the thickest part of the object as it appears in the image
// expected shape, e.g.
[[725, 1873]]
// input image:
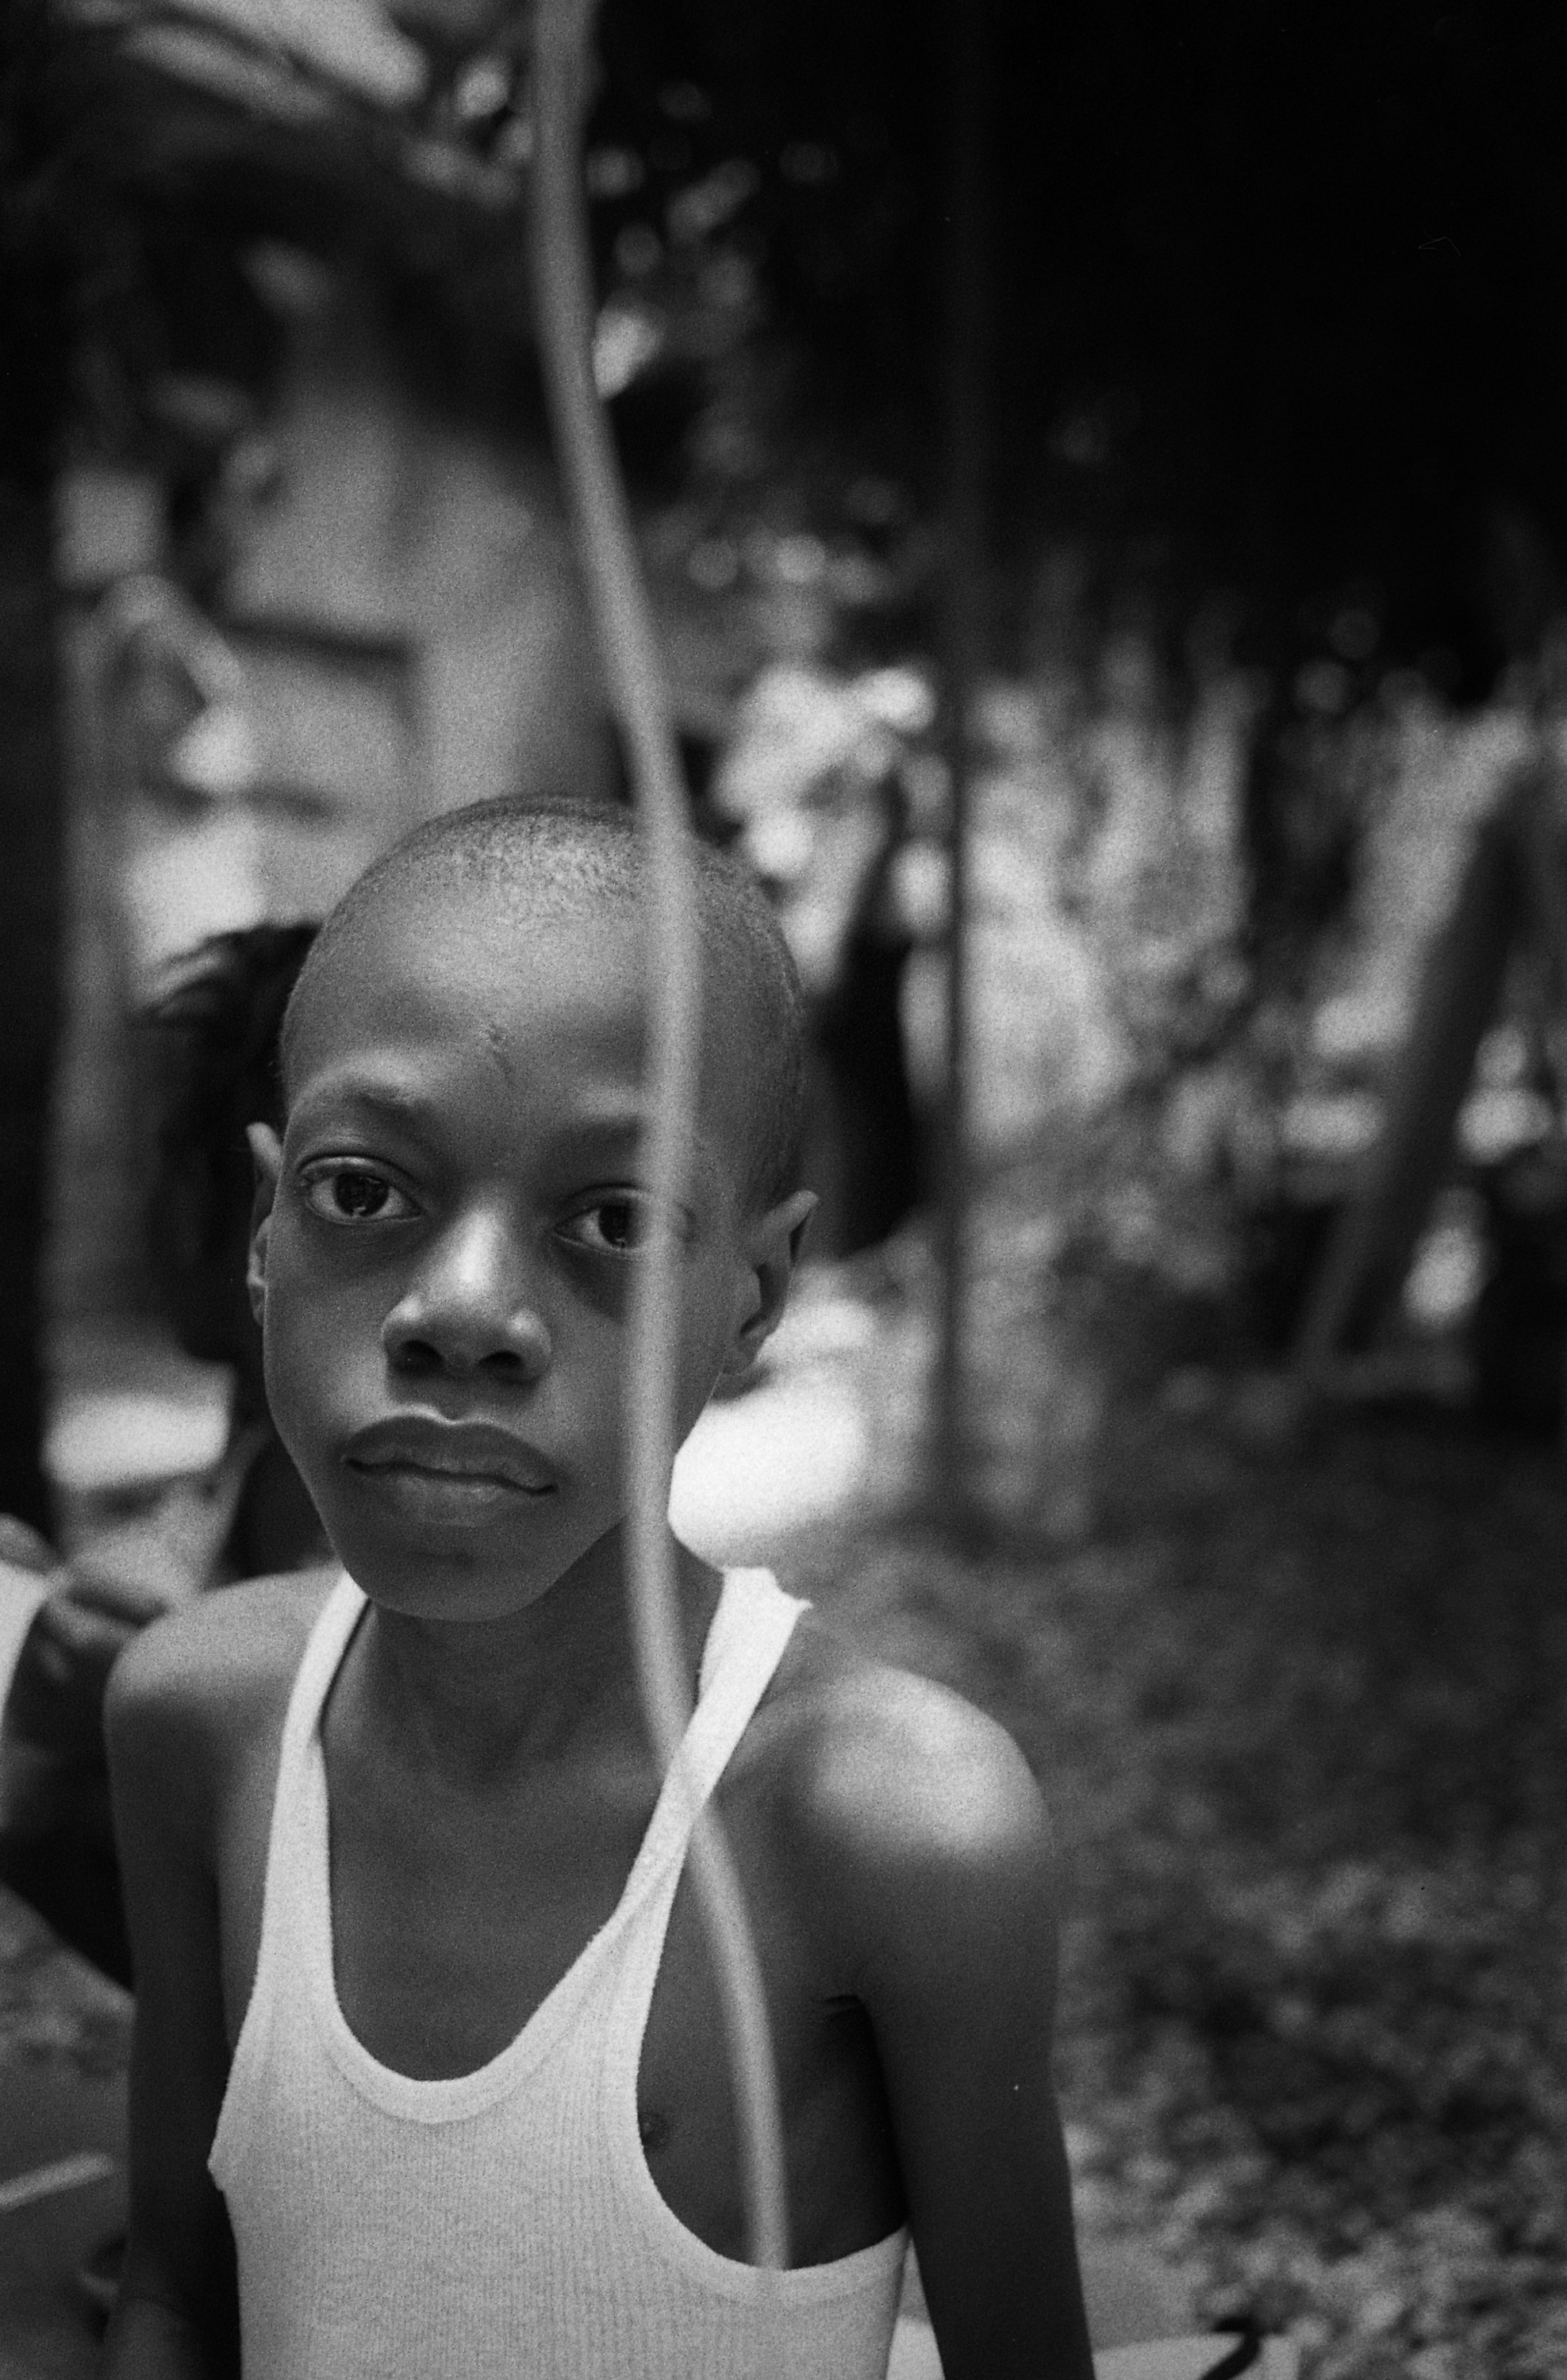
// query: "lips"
[[475, 1455]]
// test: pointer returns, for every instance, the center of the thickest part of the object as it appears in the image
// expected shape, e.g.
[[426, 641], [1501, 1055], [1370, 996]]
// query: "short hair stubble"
[[560, 859]]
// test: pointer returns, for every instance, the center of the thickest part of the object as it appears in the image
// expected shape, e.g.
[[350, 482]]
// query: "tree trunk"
[[30, 820], [35, 284]]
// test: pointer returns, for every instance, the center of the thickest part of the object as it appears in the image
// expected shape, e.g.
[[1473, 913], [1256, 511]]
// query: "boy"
[[418, 1967]]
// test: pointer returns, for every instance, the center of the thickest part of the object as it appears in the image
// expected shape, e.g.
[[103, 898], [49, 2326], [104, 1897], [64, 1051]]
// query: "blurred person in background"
[[811, 788], [63, 1624]]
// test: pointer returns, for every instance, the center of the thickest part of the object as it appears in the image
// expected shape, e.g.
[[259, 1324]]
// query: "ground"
[[1300, 1720], [64, 2040]]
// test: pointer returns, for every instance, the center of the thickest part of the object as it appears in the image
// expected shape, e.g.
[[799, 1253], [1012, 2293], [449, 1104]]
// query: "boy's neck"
[[483, 1703]]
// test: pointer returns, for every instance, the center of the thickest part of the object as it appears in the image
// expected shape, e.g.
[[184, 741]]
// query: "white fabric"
[[501, 2225], [22, 1593]]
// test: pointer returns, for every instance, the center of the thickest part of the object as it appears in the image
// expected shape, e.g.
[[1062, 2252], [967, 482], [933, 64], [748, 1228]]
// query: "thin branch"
[[966, 33], [623, 617]]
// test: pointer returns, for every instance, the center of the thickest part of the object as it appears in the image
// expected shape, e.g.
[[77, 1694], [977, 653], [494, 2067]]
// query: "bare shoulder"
[[188, 1697], [222, 1648], [880, 1755], [908, 1804]]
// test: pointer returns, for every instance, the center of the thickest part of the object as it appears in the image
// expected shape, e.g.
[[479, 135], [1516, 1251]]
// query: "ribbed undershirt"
[[501, 2225]]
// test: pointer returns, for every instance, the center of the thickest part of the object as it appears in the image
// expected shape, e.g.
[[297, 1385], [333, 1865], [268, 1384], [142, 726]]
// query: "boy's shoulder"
[[192, 1688], [900, 1789]]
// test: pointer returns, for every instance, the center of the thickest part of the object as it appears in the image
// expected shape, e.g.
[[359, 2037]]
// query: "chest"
[[451, 1923], [450, 1935]]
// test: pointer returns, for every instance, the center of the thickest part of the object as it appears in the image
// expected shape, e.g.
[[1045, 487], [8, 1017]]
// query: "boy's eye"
[[620, 1226], [353, 1193]]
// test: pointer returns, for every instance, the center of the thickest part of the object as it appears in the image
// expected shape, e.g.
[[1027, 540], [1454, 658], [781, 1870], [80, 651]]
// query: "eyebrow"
[[387, 1097]]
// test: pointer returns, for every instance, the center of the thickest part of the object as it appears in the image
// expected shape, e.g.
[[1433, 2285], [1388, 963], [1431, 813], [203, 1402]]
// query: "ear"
[[772, 1252], [266, 1150]]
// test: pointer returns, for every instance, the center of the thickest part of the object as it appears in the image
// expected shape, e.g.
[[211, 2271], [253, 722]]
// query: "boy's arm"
[[954, 1892], [178, 2315]]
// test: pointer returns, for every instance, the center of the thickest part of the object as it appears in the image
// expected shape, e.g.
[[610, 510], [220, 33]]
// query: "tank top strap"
[[289, 1867], [324, 1648], [286, 1905], [746, 1642]]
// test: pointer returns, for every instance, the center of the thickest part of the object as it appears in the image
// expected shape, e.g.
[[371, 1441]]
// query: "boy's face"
[[446, 1242]]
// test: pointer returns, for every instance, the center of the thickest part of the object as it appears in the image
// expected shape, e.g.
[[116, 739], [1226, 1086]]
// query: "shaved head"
[[536, 864]]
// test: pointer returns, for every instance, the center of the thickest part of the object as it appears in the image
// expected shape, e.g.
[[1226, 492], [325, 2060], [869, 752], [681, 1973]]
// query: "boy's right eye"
[[355, 1194]]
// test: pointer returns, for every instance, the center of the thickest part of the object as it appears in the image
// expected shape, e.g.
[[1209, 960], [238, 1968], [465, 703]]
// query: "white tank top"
[[501, 2225]]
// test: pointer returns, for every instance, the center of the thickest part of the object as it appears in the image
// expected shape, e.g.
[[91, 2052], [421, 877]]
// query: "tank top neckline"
[[728, 1695]]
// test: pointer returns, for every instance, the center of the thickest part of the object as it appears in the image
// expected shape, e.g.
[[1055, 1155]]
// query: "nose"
[[468, 1308]]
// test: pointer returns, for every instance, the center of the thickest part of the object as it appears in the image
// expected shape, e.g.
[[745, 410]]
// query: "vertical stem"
[[36, 262], [32, 824], [623, 617], [963, 636]]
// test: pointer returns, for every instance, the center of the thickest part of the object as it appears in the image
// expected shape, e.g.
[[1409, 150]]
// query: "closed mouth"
[[453, 1474], [464, 1454]]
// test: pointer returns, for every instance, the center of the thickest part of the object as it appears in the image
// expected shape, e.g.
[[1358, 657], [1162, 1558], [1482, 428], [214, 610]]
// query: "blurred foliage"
[[1273, 379], [1299, 1723], [1269, 303]]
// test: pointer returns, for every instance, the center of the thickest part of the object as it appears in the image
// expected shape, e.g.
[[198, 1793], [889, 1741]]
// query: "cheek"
[[706, 1331], [321, 1341], [294, 1374]]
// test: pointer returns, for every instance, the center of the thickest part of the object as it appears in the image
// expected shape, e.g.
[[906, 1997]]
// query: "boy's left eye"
[[620, 1226]]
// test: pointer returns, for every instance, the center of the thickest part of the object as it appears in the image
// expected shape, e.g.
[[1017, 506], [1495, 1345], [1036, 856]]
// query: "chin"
[[435, 1571], [450, 1585]]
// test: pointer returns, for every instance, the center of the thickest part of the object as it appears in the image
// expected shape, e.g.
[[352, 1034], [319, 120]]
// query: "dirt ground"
[[1300, 1720]]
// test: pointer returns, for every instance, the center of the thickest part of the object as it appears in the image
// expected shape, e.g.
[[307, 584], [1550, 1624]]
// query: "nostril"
[[416, 1355], [422, 1355], [459, 1339]]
